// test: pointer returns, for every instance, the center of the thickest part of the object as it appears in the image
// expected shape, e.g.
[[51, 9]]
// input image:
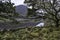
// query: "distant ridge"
[[21, 9]]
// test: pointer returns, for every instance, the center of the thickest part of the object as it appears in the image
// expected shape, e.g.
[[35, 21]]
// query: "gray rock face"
[[22, 10]]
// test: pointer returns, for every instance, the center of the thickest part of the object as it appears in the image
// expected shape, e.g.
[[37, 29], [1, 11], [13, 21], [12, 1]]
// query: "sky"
[[17, 2]]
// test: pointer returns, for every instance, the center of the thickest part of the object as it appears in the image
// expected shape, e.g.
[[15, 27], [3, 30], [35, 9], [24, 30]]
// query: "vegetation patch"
[[32, 33]]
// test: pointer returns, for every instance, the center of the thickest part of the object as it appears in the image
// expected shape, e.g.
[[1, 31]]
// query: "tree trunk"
[[57, 23]]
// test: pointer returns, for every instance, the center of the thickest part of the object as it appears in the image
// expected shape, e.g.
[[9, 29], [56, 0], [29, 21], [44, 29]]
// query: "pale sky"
[[17, 2]]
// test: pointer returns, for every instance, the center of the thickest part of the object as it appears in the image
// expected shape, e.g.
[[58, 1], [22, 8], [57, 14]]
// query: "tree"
[[30, 12], [31, 3], [52, 8], [7, 10]]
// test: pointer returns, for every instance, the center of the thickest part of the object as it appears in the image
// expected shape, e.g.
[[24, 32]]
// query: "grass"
[[32, 33]]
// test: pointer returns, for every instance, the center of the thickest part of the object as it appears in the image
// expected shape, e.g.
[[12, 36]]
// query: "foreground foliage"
[[32, 33]]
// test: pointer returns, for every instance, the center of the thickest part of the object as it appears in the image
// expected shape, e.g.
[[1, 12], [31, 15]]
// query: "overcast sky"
[[18, 2]]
